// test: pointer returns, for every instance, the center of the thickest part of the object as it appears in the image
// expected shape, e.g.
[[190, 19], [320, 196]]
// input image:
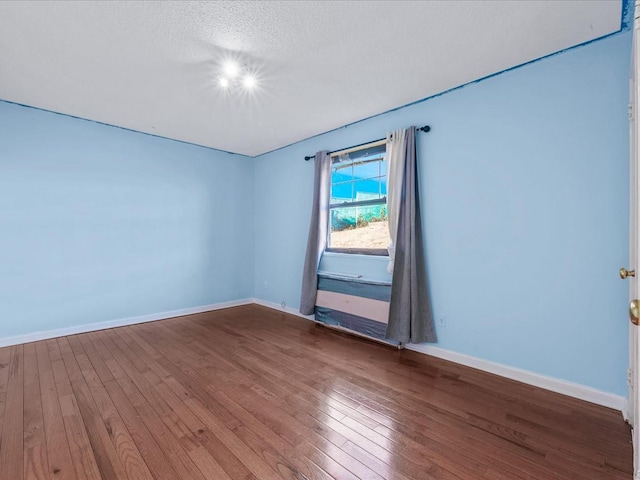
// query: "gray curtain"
[[318, 226], [410, 316]]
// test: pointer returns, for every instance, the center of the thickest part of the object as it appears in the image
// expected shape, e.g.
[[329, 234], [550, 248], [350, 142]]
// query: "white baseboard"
[[557, 385], [277, 306], [92, 327], [564, 387], [553, 384], [625, 411]]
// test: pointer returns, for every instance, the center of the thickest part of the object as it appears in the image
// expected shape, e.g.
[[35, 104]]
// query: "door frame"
[[632, 413]]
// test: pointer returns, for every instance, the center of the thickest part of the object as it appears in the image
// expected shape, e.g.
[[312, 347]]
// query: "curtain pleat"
[[410, 314], [317, 240], [395, 179]]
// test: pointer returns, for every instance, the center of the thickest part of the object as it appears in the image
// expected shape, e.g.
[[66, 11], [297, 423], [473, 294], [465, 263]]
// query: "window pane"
[[359, 227], [342, 192], [359, 176], [367, 189], [383, 166], [341, 173], [366, 170], [341, 183], [360, 182]]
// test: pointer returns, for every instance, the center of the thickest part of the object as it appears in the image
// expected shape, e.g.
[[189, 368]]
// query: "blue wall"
[[524, 181], [99, 223]]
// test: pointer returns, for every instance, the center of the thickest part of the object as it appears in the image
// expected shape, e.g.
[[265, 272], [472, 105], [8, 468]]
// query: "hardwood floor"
[[250, 392]]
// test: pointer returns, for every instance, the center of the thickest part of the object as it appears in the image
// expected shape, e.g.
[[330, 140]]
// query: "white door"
[[634, 222]]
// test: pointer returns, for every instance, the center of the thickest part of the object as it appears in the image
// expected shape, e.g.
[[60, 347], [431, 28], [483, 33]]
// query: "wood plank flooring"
[[252, 393]]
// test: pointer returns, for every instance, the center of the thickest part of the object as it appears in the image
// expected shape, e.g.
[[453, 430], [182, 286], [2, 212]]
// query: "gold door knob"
[[634, 311], [624, 273]]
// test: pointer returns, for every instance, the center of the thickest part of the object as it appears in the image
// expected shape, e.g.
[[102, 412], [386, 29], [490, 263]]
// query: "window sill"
[[373, 252], [334, 254]]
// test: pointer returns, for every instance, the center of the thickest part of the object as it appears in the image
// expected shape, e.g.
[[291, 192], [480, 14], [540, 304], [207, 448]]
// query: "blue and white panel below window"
[[356, 304]]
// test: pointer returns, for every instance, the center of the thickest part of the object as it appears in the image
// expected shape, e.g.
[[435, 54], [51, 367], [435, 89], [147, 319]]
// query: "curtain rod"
[[426, 128]]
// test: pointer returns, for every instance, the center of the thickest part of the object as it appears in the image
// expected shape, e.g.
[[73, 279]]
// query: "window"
[[358, 209]]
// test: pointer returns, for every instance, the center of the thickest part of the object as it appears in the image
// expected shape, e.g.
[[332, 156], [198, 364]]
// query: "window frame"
[[381, 252]]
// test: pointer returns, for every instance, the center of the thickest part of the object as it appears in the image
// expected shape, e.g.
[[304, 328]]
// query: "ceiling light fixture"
[[249, 81], [235, 75], [231, 69]]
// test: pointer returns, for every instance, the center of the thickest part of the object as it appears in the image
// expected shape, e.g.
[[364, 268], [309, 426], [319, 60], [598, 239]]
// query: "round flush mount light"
[[235, 75], [249, 81], [231, 69]]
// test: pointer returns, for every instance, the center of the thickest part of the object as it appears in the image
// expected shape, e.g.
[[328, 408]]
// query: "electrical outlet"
[[629, 377], [442, 321], [283, 304], [265, 284]]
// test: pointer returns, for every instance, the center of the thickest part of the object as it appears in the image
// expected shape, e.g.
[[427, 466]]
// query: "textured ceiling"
[[153, 66]]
